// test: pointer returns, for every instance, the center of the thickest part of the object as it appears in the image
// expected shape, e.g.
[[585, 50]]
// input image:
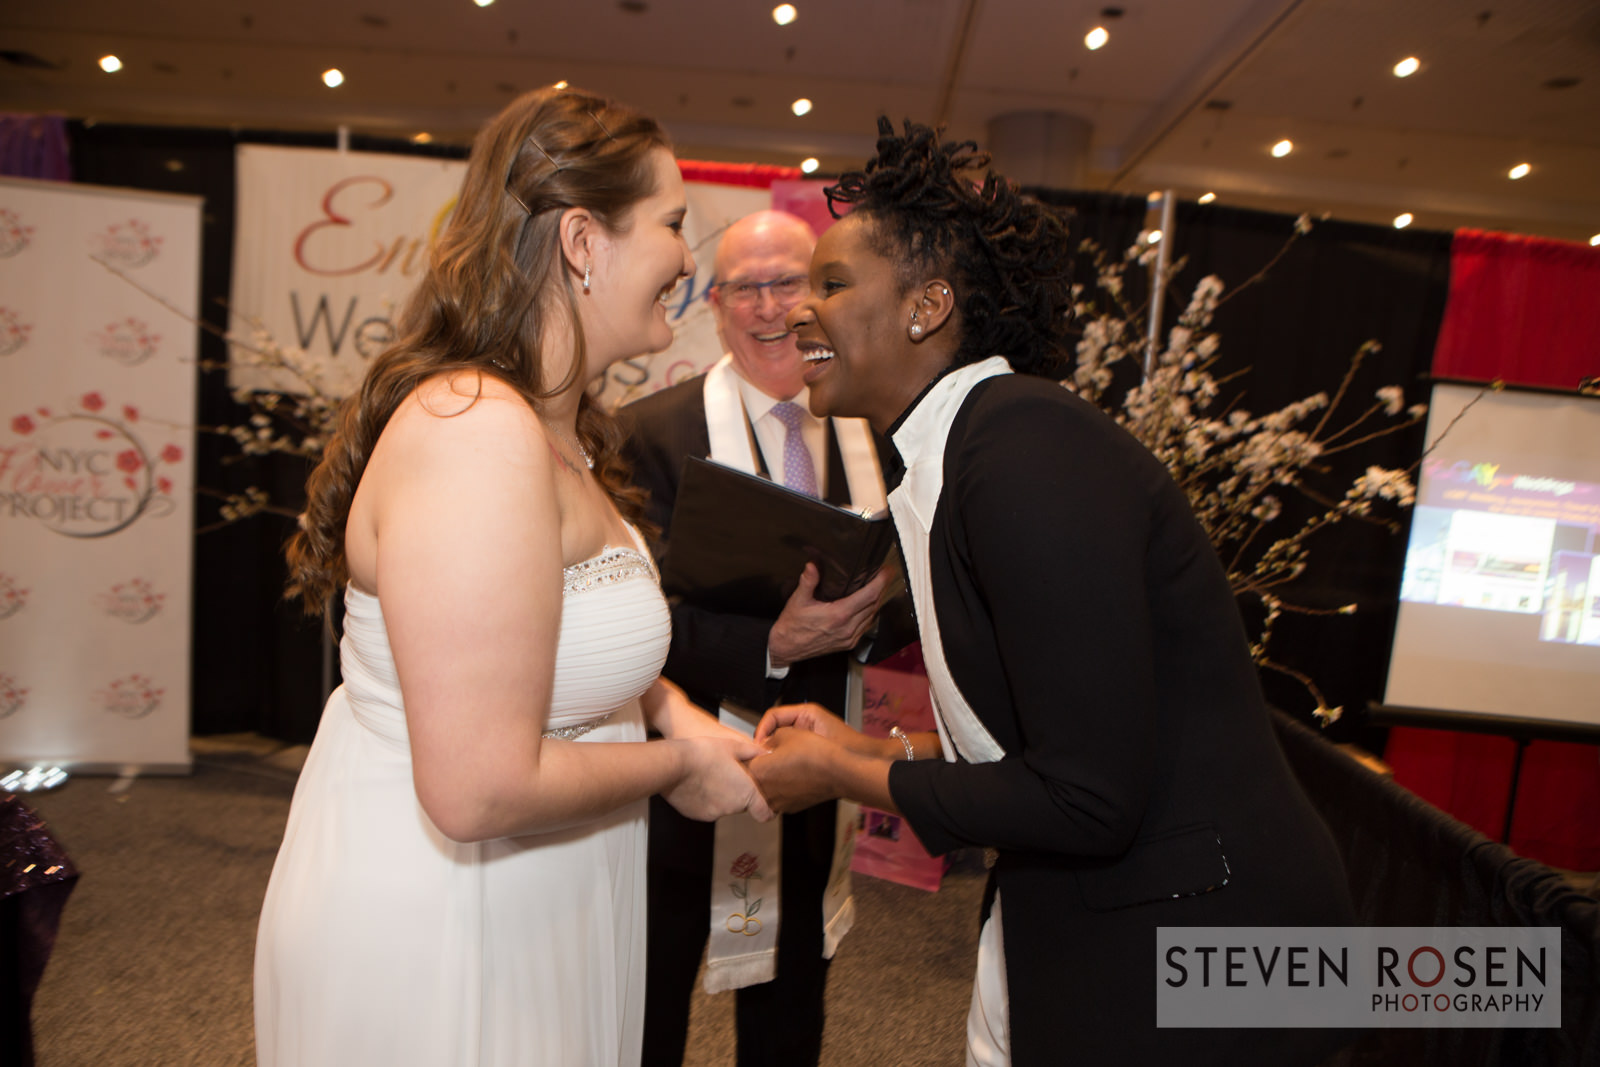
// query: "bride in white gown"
[[461, 881]]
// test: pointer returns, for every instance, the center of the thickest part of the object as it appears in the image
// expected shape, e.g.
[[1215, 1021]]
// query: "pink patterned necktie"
[[798, 471]]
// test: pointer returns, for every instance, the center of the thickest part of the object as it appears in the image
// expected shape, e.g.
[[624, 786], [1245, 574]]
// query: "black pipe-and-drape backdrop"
[[258, 662], [1286, 337]]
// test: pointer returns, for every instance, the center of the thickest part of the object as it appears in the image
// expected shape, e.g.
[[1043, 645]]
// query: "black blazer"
[[1087, 620]]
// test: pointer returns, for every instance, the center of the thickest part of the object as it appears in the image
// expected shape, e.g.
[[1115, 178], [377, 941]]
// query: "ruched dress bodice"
[[613, 640], [383, 941]]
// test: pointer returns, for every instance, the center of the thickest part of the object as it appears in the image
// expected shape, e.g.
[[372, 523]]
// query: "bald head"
[[760, 234], [768, 246]]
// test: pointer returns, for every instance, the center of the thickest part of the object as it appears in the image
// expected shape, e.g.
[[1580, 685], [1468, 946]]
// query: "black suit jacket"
[[1087, 620], [719, 657]]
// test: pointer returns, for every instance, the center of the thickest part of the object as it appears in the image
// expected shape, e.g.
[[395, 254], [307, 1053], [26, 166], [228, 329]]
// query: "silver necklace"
[[588, 460]]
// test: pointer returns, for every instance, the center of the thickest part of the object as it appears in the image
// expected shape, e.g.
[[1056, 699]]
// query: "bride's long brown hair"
[[496, 282]]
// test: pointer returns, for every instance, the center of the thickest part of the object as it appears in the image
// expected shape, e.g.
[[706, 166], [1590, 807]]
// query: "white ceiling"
[[1188, 94]]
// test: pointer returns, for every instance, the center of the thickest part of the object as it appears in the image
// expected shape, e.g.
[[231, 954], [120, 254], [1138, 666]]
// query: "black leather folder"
[[739, 542]]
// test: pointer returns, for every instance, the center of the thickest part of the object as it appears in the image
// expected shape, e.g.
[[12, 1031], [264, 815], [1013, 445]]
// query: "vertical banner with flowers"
[[97, 395]]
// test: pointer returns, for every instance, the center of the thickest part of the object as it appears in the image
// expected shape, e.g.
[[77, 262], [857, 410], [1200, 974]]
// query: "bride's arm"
[[672, 714], [464, 512]]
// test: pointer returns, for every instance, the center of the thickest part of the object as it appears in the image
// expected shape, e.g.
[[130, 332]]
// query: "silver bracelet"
[[900, 735]]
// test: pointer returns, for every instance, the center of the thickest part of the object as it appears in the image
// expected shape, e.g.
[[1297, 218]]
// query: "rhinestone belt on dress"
[[577, 729]]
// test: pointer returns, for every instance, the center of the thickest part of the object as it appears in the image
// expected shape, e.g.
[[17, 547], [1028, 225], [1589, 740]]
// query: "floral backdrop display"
[[97, 386]]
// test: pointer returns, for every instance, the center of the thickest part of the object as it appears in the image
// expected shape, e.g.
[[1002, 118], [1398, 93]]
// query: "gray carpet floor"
[[153, 963]]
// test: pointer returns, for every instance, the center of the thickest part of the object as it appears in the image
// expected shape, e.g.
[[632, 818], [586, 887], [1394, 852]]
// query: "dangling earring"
[[916, 327], [587, 268]]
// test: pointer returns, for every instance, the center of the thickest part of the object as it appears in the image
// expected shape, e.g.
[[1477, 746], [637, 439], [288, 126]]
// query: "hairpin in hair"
[[609, 135], [523, 204], [543, 153]]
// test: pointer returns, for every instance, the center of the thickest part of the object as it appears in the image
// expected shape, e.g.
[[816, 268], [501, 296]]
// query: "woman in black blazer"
[[1101, 723]]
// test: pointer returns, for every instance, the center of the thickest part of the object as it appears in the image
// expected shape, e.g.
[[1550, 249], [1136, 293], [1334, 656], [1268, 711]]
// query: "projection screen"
[[1500, 598]]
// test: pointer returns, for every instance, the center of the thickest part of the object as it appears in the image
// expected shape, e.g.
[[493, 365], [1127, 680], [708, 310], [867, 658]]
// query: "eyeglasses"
[[786, 291]]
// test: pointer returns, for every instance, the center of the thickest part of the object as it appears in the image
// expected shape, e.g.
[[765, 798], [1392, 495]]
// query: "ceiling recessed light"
[[483, 3], [422, 138], [800, 106], [1402, 220], [1206, 198], [560, 85], [1153, 237], [1595, 240], [1407, 67], [110, 64], [784, 14], [333, 77], [1282, 148], [809, 165], [1096, 38], [1521, 170]]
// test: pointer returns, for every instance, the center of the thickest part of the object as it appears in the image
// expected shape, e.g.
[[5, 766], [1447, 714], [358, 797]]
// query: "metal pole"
[[1158, 283]]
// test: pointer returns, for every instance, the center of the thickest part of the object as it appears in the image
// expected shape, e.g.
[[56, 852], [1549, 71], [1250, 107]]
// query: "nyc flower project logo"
[[127, 244], [132, 601], [13, 696], [132, 697], [85, 472], [13, 331], [129, 342], [14, 236], [13, 598]]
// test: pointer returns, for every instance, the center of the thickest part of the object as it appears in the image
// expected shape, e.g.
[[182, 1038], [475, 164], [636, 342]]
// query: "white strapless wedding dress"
[[385, 944]]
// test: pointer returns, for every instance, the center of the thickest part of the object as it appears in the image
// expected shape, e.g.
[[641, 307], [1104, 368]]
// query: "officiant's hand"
[[797, 770], [808, 627], [715, 782]]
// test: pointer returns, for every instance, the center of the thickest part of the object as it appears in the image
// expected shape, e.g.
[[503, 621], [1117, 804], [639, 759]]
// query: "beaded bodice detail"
[[613, 564], [613, 641]]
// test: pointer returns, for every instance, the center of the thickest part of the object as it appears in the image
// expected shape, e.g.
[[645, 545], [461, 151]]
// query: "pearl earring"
[[587, 269], [916, 330]]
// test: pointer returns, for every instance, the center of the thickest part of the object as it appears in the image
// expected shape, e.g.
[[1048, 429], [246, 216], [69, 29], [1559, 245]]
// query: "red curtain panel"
[[1525, 310], [755, 175]]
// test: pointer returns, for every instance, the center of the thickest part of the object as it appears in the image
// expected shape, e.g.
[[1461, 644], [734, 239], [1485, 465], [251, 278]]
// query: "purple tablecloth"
[[36, 878]]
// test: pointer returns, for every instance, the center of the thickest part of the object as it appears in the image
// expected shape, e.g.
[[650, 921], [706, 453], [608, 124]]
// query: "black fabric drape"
[[1288, 336], [1292, 335], [257, 660], [1410, 864]]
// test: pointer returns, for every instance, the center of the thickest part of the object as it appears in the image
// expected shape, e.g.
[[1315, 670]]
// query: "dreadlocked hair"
[[1007, 255], [495, 285]]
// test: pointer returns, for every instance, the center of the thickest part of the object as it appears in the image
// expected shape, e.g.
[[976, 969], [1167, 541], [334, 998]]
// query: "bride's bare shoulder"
[[466, 404]]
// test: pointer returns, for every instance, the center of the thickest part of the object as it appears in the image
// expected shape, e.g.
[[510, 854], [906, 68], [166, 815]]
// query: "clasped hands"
[[787, 771], [786, 767]]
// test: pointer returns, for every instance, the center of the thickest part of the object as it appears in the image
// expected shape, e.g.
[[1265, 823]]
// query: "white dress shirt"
[[770, 432]]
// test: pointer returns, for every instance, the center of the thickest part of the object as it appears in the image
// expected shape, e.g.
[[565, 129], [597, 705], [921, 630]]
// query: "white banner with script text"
[[329, 245]]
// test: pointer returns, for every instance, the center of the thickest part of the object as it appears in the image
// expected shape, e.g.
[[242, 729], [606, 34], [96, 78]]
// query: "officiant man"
[[749, 411]]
